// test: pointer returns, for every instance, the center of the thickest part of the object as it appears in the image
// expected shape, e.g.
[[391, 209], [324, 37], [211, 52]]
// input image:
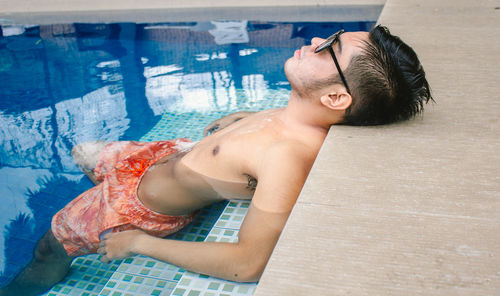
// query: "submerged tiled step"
[[225, 230], [140, 275], [87, 277], [90, 277]]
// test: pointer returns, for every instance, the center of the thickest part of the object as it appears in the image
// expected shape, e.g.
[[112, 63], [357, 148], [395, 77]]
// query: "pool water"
[[65, 84]]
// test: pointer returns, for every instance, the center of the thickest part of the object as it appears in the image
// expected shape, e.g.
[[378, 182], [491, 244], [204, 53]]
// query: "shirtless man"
[[351, 78]]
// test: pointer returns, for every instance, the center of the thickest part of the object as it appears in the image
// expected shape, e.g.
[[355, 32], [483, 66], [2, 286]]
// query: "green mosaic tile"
[[57, 288], [128, 260], [228, 288], [205, 285], [181, 124], [138, 285], [137, 267], [161, 284], [87, 275], [160, 270], [177, 276], [185, 281], [233, 215], [178, 292], [200, 227], [243, 289], [213, 286]]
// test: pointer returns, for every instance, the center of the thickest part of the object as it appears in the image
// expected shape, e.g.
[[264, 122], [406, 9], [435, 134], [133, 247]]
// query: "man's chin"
[[287, 67]]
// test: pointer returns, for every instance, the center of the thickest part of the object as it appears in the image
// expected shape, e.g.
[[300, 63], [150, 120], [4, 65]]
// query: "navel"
[[216, 150]]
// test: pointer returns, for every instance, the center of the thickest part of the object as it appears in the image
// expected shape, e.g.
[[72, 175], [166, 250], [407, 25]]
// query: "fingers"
[[105, 259], [117, 245], [102, 249], [104, 255]]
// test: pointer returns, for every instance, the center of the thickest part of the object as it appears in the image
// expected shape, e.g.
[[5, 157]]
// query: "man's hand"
[[223, 122], [118, 245]]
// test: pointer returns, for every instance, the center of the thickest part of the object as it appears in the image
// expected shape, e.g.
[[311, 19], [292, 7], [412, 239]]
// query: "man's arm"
[[243, 261], [225, 121], [281, 177]]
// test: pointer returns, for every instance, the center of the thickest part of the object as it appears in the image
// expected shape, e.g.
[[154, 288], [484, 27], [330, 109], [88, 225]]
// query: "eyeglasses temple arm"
[[339, 69]]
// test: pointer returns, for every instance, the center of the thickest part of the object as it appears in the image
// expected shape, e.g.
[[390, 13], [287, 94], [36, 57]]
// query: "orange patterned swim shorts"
[[113, 205]]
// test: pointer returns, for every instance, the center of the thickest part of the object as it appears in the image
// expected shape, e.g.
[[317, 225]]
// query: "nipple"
[[215, 151]]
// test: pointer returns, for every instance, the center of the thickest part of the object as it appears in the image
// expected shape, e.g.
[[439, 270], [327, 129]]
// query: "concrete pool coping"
[[368, 11], [405, 209]]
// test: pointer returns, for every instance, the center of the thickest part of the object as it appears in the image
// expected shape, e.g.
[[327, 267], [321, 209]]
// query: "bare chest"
[[227, 167], [202, 176]]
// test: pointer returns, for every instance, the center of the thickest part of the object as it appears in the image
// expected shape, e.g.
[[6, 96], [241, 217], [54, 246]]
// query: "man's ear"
[[336, 100]]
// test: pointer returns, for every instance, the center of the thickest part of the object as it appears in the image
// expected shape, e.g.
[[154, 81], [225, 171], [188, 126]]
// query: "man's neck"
[[302, 115]]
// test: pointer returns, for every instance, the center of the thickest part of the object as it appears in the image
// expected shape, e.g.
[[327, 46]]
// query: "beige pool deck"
[[405, 209]]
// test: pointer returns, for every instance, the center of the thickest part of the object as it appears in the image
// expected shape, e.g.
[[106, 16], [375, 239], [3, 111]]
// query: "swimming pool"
[[70, 83]]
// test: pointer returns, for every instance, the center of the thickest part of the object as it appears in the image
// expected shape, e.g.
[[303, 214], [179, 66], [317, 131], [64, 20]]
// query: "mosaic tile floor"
[[87, 277], [140, 275], [225, 230]]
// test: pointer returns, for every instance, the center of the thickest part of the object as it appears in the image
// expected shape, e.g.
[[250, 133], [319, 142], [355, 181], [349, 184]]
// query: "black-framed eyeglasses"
[[330, 41]]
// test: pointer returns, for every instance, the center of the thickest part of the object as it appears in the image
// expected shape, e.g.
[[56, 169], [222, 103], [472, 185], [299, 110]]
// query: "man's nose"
[[317, 41]]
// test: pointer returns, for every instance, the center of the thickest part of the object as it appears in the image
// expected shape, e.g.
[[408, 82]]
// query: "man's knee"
[[43, 250], [49, 249], [86, 154]]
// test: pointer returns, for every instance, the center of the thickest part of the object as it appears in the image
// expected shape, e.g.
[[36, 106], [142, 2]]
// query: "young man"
[[147, 190]]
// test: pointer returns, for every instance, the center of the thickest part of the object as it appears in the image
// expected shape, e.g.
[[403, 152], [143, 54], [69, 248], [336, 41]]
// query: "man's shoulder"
[[287, 156], [281, 174], [292, 148]]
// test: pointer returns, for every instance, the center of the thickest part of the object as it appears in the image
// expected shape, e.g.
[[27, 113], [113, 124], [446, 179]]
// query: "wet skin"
[[221, 166]]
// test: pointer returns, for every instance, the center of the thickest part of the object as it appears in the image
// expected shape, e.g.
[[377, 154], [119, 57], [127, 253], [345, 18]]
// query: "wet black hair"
[[387, 81]]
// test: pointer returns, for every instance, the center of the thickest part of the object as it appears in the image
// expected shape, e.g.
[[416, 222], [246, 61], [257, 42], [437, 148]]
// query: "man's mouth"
[[297, 53], [300, 53]]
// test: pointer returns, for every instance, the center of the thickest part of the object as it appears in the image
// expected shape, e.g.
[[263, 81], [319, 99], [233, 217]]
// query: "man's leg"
[[86, 156], [50, 265], [51, 262]]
